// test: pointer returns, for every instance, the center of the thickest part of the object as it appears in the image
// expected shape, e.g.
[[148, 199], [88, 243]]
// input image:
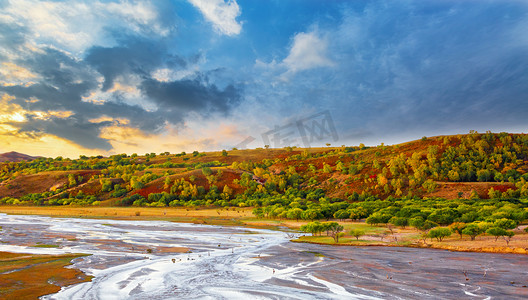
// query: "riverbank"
[[374, 235], [409, 237], [482, 249]]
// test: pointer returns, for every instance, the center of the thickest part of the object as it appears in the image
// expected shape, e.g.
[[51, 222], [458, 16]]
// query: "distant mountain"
[[15, 156]]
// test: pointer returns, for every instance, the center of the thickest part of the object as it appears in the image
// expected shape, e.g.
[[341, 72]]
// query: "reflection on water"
[[144, 260]]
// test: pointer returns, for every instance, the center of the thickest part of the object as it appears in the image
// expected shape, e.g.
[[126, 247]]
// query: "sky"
[[108, 77]]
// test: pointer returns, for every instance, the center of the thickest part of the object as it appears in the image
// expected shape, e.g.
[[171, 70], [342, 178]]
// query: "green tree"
[[357, 233], [399, 221], [458, 227], [312, 227], [373, 220], [439, 233], [341, 214], [167, 182], [71, 180], [258, 212], [497, 232], [106, 185], [357, 213], [207, 171], [473, 230], [505, 223], [429, 185], [327, 168], [335, 230], [294, 213], [417, 222], [428, 225], [311, 214], [137, 185]]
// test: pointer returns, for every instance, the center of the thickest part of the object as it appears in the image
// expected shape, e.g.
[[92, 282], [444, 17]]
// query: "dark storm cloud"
[[65, 81], [174, 98], [135, 57], [191, 95]]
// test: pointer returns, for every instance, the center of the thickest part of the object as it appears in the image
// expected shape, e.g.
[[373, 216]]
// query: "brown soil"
[[27, 276], [40, 183]]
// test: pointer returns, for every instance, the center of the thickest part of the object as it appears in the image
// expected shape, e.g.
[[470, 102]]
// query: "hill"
[[15, 157], [435, 173]]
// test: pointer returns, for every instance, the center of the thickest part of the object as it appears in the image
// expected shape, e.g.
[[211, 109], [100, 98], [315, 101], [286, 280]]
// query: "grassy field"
[[27, 276]]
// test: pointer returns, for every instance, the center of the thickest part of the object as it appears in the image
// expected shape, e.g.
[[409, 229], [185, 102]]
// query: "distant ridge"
[[15, 157]]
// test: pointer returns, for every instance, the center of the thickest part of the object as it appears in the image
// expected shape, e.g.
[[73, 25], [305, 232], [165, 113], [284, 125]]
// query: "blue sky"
[[104, 77]]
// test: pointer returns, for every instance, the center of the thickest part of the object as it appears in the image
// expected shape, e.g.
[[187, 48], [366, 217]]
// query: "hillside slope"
[[463, 166]]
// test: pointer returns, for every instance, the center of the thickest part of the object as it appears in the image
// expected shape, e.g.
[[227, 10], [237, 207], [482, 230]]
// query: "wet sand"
[[144, 260]]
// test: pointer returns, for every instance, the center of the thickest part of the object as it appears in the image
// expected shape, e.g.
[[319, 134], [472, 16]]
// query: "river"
[[144, 260]]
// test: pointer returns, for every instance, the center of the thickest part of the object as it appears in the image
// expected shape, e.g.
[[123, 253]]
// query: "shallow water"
[[137, 260]]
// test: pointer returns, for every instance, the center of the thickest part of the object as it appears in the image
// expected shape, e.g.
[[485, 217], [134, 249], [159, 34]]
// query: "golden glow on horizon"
[[129, 140], [123, 137], [10, 112], [40, 145]]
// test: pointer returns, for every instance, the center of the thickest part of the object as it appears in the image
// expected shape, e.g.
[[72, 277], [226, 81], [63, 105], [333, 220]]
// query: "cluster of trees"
[[500, 228], [469, 158], [332, 229], [50, 198]]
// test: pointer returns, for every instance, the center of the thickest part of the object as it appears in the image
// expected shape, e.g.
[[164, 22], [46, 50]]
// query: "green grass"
[[45, 246], [365, 227]]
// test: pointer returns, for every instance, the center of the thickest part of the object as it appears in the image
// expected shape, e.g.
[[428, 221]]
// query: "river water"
[[144, 260]]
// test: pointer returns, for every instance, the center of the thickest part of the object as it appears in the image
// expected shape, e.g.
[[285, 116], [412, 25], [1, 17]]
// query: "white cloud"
[[75, 26], [124, 90], [308, 51], [222, 14], [167, 75]]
